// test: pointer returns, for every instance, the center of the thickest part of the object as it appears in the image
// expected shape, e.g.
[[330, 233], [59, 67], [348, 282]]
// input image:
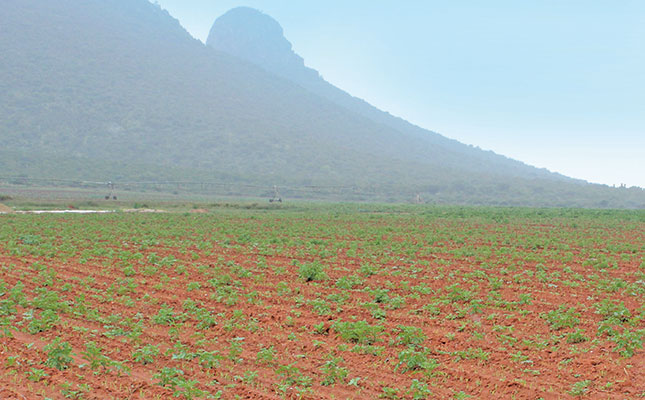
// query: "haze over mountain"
[[117, 90], [256, 37]]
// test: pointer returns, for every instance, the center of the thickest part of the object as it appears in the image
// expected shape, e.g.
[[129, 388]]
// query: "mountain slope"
[[118, 90], [256, 37], [121, 80]]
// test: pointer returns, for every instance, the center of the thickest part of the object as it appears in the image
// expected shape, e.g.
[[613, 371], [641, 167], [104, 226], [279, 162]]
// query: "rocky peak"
[[256, 37]]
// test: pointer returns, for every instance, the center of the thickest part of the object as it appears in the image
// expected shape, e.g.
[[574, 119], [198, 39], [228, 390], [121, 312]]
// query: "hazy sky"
[[558, 84]]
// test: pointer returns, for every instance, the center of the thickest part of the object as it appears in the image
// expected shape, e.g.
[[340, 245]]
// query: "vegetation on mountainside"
[[118, 91]]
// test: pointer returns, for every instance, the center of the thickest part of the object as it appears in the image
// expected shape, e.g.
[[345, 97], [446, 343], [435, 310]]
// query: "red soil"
[[534, 361]]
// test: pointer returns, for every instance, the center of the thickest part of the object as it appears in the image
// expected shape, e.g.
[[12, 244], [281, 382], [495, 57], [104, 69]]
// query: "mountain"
[[256, 37], [117, 90]]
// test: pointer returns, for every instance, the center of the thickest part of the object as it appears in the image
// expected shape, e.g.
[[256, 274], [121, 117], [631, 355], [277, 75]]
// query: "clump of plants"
[[312, 272]]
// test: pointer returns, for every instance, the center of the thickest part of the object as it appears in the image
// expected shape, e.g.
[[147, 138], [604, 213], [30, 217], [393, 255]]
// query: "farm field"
[[330, 302]]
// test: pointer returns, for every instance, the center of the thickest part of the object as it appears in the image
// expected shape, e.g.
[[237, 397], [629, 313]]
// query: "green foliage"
[[380, 295], [456, 293], [358, 332], [419, 390], [580, 388], [168, 376], [235, 350], [205, 319], [48, 300], [30, 239], [36, 375], [349, 282], [210, 359], [411, 360], [396, 303], [7, 307], [182, 387], [320, 329], [471, 354], [59, 354], [613, 313], [99, 361], [577, 337], [312, 272], [165, 316], [367, 270], [181, 351], [93, 354], [291, 375], [48, 320], [75, 391], [410, 335], [146, 354], [389, 393], [333, 372], [461, 395], [321, 307], [188, 389], [249, 377], [433, 278], [266, 355], [562, 318], [628, 342]]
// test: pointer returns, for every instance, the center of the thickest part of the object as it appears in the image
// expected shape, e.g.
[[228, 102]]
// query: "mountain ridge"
[[255, 36], [120, 91]]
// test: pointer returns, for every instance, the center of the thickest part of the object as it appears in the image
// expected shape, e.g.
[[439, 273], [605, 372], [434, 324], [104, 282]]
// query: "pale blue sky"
[[558, 84]]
